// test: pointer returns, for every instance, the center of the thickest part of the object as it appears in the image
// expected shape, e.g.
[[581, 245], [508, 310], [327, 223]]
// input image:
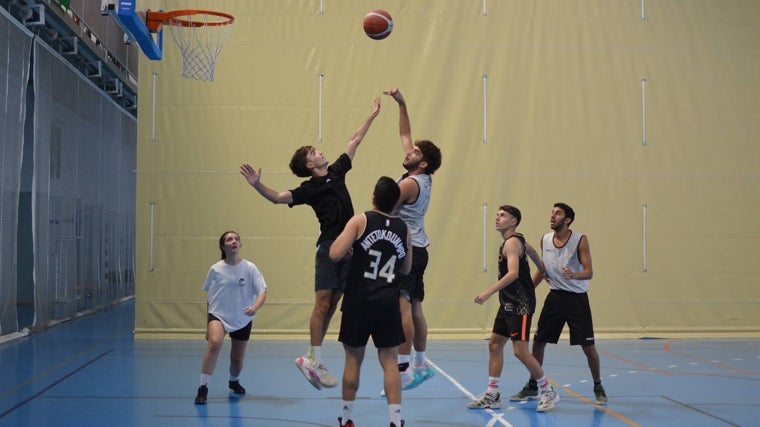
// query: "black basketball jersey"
[[521, 293], [379, 253]]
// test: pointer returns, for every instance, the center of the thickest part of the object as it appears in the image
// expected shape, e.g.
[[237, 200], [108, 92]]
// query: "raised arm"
[[358, 135], [404, 125], [253, 177]]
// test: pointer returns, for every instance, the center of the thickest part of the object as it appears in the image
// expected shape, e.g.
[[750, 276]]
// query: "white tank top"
[[567, 256], [414, 214]]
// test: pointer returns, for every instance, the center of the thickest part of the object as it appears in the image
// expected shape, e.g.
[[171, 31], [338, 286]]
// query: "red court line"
[[632, 362], [688, 356]]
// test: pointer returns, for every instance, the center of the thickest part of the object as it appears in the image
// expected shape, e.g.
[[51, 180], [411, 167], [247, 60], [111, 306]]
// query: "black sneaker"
[[236, 387], [528, 392], [200, 399], [600, 397]]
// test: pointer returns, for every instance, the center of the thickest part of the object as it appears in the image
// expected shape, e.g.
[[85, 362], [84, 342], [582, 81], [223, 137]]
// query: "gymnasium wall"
[[645, 120]]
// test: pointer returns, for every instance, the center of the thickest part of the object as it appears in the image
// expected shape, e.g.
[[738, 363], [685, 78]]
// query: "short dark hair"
[[512, 211], [386, 194], [569, 212], [221, 241], [430, 154], [298, 161]]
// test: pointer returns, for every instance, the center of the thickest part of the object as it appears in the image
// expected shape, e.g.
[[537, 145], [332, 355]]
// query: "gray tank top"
[[414, 214], [567, 256]]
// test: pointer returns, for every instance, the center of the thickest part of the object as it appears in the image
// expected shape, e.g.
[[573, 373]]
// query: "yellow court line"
[[600, 407]]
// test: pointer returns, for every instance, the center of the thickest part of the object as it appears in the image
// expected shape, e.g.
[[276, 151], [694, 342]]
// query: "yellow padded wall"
[[648, 125]]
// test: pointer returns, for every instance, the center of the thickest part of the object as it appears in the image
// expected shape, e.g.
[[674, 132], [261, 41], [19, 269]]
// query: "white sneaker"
[[548, 399], [306, 366], [325, 378], [486, 401]]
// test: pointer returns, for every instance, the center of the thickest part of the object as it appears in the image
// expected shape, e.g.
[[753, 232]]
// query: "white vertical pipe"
[[485, 11], [644, 238], [321, 79], [643, 11], [150, 237], [321, 7], [643, 111], [485, 108], [485, 220], [153, 109]]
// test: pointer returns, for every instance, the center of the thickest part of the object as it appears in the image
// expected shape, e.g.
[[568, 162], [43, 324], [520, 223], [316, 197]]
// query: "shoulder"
[[341, 165]]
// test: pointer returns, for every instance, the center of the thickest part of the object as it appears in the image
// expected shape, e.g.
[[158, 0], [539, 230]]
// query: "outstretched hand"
[[395, 94], [375, 107], [251, 175]]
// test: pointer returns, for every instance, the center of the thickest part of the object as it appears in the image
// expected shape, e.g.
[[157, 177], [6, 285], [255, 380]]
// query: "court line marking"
[[496, 417], [499, 417], [603, 408], [710, 362], [695, 409], [54, 383], [633, 362]]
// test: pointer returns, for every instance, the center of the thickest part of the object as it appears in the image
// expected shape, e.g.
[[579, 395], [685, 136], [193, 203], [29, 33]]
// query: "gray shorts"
[[328, 274]]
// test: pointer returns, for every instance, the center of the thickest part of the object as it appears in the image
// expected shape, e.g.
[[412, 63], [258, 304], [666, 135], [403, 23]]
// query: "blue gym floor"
[[91, 372]]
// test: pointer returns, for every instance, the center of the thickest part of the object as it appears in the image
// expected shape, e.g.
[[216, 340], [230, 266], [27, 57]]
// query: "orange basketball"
[[378, 24]]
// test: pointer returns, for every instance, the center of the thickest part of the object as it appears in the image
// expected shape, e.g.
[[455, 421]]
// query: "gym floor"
[[91, 372]]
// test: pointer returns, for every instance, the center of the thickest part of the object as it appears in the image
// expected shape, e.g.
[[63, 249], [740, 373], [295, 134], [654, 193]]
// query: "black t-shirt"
[[329, 198], [373, 283]]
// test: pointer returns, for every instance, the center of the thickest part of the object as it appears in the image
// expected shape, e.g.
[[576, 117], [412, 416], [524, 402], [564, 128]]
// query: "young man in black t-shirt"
[[325, 191]]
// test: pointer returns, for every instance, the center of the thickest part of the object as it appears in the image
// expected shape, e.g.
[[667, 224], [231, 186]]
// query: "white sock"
[[232, 378], [493, 385], [543, 383], [348, 409], [404, 358], [394, 409], [205, 378], [419, 359], [315, 353]]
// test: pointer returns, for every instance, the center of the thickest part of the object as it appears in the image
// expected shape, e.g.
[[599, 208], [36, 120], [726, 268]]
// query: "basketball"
[[378, 24]]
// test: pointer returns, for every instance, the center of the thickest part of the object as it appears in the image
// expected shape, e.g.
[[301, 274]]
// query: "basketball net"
[[200, 36]]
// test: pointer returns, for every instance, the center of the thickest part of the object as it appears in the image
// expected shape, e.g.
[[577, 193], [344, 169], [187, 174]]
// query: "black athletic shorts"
[[242, 334], [562, 307], [513, 326], [328, 274], [385, 329], [412, 285]]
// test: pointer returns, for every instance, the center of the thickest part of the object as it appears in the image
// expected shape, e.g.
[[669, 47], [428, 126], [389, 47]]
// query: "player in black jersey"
[[517, 302], [380, 248]]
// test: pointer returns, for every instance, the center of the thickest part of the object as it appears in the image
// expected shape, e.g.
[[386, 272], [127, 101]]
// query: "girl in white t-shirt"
[[236, 291]]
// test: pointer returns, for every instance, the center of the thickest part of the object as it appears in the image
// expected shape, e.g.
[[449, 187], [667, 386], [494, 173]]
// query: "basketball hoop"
[[199, 34]]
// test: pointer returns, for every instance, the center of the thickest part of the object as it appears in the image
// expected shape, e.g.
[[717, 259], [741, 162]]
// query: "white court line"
[[495, 416]]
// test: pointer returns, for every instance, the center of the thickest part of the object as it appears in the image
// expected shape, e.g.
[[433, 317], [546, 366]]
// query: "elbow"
[[335, 256]]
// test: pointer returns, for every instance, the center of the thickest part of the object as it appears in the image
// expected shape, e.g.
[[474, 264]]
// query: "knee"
[[495, 346], [214, 345], [590, 350]]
